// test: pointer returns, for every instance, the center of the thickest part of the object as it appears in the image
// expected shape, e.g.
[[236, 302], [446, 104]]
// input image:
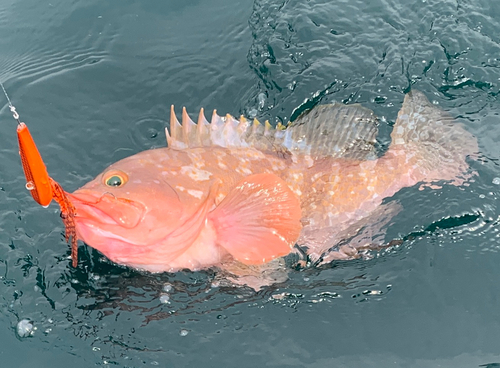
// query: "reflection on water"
[[95, 81]]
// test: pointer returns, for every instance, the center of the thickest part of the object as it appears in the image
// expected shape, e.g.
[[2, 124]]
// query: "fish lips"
[[107, 209]]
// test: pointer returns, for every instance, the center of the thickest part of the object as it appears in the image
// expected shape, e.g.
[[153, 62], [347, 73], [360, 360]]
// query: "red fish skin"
[[334, 193], [171, 185], [338, 193], [173, 194]]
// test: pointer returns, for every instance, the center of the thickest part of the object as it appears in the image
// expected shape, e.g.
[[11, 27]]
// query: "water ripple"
[[300, 49], [31, 59]]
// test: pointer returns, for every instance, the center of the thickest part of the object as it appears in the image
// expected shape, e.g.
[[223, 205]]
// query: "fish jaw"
[[203, 253], [159, 257], [107, 209], [99, 217], [114, 247]]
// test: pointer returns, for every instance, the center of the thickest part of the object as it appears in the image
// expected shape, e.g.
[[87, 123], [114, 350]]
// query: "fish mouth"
[[106, 209]]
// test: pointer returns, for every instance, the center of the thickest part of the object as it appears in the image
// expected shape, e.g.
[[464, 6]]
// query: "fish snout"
[[106, 208]]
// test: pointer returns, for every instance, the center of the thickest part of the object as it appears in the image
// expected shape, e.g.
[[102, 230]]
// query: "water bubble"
[[25, 328], [372, 292], [261, 98], [164, 299], [167, 288], [280, 296], [183, 332], [379, 99], [153, 133], [496, 181], [30, 185]]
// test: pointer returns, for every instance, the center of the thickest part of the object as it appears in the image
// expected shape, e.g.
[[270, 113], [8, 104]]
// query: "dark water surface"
[[94, 81]]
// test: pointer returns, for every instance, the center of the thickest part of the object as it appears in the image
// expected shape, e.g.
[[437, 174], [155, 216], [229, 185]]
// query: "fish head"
[[127, 209]]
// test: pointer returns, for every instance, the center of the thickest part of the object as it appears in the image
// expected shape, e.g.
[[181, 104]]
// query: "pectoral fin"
[[259, 220]]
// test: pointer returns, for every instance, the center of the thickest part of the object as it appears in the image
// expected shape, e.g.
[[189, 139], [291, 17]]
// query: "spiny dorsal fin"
[[327, 130], [221, 131]]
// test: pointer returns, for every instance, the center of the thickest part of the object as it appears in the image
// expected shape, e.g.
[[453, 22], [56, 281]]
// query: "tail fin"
[[434, 145]]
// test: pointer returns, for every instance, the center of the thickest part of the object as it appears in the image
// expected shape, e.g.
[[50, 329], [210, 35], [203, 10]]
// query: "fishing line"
[[11, 107]]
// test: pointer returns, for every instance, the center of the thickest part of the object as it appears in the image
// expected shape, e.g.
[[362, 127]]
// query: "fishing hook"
[[12, 108]]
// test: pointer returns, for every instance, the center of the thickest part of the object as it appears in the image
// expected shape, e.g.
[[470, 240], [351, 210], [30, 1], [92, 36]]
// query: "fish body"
[[234, 191]]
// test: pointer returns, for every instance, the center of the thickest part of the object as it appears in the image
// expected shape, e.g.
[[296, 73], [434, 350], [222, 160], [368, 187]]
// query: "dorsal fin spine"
[[167, 133], [188, 129], [268, 129], [242, 126], [255, 126], [185, 125], [202, 132], [216, 130], [175, 128]]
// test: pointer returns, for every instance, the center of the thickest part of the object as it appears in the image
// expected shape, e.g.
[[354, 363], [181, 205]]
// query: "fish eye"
[[115, 180]]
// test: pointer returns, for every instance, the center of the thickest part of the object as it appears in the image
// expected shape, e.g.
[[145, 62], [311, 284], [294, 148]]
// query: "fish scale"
[[239, 195], [336, 171]]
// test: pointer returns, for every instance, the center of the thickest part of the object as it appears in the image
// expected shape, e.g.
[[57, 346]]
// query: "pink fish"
[[235, 194]]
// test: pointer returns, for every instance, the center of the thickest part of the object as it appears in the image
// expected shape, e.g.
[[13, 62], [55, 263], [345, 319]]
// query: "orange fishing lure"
[[43, 188]]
